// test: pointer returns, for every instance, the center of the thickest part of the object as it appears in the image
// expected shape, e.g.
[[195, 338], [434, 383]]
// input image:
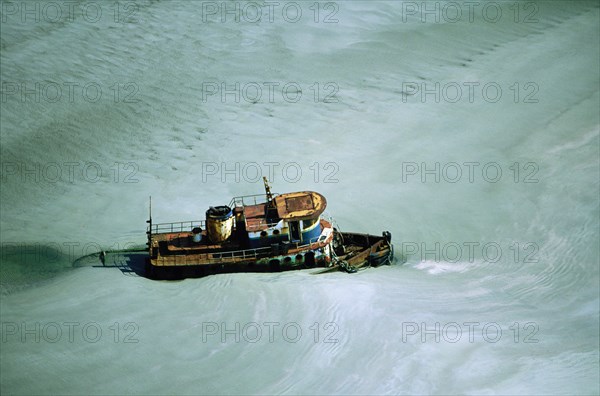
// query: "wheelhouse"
[[292, 217]]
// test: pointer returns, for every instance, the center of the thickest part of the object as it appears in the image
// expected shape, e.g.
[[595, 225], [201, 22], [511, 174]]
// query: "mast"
[[149, 221], [268, 190]]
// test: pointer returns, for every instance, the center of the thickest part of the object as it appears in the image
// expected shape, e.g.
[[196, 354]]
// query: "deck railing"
[[264, 251], [256, 253], [244, 254], [245, 200], [179, 226]]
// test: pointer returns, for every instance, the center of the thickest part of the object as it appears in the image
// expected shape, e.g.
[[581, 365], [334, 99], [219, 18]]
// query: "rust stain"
[[300, 205]]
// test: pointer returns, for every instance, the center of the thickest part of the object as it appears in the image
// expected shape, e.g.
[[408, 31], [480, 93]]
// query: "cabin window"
[[308, 223]]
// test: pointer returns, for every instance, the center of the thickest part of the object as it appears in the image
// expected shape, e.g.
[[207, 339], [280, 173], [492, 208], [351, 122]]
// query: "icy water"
[[468, 130]]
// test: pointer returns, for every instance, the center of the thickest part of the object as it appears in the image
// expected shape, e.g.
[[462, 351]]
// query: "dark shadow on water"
[[24, 265], [130, 264]]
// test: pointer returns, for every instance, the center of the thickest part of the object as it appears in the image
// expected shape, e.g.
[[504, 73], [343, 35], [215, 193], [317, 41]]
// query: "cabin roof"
[[256, 219], [300, 205]]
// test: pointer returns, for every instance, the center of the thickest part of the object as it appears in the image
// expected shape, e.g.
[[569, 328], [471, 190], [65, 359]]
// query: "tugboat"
[[261, 233]]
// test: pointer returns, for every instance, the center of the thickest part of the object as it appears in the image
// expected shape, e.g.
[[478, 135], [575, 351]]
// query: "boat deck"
[[178, 248]]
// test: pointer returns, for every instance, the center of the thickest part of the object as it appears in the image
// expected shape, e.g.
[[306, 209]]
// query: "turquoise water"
[[475, 142]]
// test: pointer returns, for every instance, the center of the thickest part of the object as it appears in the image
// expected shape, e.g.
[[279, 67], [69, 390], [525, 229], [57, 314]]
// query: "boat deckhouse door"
[[295, 231]]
